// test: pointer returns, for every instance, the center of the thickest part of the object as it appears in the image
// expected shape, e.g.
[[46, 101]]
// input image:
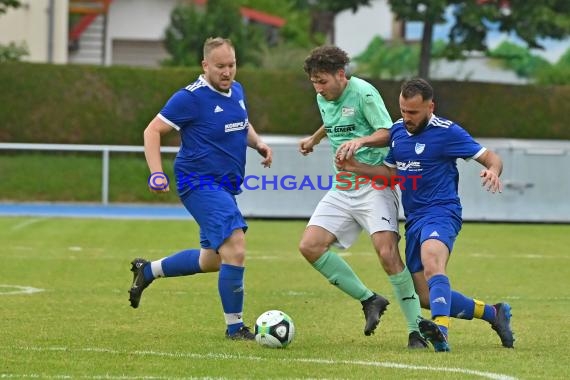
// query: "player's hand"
[[159, 191], [158, 182], [265, 151], [306, 145], [348, 149], [490, 180], [349, 165]]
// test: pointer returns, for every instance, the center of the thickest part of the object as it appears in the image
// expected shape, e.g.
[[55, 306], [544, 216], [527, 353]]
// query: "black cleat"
[[416, 341], [373, 309], [139, 283], [242, 334], [430, 331], [502, 324]]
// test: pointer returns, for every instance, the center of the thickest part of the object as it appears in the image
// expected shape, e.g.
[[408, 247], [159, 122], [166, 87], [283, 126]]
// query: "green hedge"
[[113, 105]]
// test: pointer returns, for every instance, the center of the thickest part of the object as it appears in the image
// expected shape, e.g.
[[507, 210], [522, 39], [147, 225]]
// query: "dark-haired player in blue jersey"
[[425, 147], [211, 116]]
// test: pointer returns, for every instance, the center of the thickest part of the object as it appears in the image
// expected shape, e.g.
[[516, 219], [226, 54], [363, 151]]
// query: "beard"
[[419, 128]]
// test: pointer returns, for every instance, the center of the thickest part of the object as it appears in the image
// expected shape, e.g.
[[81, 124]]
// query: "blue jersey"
[[427, 163], [213, 126]]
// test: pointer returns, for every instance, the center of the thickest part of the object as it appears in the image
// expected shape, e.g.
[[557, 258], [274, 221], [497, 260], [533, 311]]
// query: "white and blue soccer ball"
[[274, 329]]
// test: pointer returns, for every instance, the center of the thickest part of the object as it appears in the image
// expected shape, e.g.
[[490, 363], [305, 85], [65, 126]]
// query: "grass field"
[[81, 326]]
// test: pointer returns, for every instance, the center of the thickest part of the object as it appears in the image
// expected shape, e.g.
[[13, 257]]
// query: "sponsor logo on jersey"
[[218, 109], [340, 129], [411, 166], [232, 127], [347, 111]]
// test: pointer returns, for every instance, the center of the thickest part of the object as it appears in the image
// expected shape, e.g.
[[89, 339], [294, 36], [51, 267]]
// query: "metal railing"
[[104, 149]]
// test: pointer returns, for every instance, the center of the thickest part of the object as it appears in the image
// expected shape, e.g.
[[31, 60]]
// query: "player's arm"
[[307, 144], [378, 139], [152, 137], [255, 142], [370, 171], [493, 168]]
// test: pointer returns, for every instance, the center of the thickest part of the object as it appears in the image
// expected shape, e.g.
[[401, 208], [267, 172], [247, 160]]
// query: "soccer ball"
[[274, 329]]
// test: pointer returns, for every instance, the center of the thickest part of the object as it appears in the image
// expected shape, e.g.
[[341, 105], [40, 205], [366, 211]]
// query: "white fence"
[[535, 177]]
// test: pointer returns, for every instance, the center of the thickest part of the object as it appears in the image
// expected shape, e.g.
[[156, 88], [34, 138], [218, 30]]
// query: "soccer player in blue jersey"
[[425, 147], [354, 114], [211, 116]]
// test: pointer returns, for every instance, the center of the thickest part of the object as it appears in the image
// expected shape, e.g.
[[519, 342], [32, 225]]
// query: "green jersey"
[[359, 111]]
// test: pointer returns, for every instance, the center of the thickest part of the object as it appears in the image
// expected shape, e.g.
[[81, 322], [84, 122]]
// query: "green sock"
[[407, 298], [339, 273]]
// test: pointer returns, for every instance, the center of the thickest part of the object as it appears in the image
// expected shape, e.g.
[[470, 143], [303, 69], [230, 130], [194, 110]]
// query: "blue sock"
[[461, 306], [230, 287], [489, 314], [183, 263], [440, 298], [468, 308]]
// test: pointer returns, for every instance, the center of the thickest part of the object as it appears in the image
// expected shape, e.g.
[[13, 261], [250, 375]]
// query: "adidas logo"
[[218, 109], [434, 234], [439, 300]]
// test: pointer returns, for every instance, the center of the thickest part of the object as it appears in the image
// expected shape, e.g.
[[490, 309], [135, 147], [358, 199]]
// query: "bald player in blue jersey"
[[424, 149], [211, 116]]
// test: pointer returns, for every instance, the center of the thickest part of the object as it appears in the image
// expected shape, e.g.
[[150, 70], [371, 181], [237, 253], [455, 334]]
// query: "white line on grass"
[[218, 356], [25, 224], [8, 290]]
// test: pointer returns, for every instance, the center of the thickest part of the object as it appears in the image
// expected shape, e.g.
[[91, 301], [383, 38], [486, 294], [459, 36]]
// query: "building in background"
[[40, 25], [104, 32]]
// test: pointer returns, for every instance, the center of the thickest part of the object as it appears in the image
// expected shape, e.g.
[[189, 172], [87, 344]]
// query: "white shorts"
[[346, 213]]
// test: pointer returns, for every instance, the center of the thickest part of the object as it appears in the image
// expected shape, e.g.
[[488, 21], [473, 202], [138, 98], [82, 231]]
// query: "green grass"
[[81, 325], [77, 177]]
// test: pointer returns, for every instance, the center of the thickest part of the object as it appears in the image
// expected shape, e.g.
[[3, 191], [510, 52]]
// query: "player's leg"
[[331, 224], [463, 307], [434, 258], [222, 229], [381, 220], [184, 263], [231, 285]]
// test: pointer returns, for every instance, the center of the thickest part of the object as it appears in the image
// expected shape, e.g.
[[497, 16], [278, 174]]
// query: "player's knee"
[[311, 250], [390, 259]]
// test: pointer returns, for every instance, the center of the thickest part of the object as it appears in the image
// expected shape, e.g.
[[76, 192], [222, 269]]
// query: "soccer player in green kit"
[[354, 115]]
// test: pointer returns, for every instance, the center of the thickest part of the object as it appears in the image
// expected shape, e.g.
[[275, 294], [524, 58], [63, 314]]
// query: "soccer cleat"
[[139, 283], [430, 331], [373, 309], [502, 324], [416, 341], [242, 334]]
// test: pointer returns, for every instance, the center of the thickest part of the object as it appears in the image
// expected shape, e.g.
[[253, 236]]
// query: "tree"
[[518, 59], [11, 52], [5, 4], [189, 28], [558, 74], [387, 61], [529, 20]]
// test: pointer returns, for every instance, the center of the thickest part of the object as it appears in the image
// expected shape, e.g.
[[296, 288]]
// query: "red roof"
[[255, 15], [262, 17]]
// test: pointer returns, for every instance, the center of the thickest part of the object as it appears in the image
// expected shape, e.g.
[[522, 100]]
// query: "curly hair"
[[328, 59]]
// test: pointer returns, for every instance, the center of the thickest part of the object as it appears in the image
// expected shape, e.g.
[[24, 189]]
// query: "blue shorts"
[[441, 227], [217, 214]]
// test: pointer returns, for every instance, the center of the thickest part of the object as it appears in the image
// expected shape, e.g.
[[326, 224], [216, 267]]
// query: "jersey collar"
[[203, 80]]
